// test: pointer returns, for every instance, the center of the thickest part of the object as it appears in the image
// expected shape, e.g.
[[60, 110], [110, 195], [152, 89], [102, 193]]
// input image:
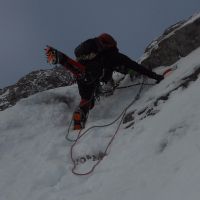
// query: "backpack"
[[107, 41], [90, 48]]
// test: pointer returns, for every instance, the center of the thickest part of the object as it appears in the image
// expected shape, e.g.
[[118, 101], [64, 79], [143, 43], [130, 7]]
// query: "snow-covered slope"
[[155, 158]]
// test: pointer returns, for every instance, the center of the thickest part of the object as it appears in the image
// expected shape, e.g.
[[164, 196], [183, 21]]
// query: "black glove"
[[53, 55], [159, 78]]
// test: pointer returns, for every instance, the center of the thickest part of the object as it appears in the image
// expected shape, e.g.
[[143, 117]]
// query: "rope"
[[122, 115], [128, 86], [123, 87]]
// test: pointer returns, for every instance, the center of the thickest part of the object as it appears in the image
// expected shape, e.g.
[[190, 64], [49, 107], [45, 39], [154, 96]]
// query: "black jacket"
[[103, 65], [100, 65]]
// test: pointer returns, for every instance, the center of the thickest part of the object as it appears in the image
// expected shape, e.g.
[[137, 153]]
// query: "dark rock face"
[[33, 83], [177, 41]]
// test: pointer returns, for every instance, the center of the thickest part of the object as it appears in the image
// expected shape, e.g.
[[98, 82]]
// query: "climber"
[[96, 60]]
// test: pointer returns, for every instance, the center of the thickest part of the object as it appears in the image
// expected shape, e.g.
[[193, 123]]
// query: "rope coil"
[[80, 134]]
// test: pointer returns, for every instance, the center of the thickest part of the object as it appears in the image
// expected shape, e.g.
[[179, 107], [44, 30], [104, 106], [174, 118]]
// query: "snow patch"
[[155, 158]]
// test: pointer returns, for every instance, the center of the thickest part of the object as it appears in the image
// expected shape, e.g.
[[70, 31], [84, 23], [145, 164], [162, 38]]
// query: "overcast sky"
[[26, 26]]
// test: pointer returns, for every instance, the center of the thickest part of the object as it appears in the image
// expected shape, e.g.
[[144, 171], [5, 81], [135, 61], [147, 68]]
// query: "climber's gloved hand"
[[159, 78], [53, 55]]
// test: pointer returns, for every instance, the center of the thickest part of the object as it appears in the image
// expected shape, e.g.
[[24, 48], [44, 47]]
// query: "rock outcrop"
[[177, 41], [32, 83]]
